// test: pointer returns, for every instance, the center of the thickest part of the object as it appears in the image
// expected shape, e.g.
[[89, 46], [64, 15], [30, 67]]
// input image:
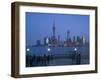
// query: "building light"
[[83, 40], [47, 40]]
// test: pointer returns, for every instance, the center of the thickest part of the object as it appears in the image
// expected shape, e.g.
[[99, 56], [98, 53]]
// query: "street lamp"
[[75, 49], [48, 49], [28, 49]]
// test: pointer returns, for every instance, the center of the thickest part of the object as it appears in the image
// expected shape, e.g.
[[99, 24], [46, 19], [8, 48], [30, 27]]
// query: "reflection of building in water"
[[55, 41]]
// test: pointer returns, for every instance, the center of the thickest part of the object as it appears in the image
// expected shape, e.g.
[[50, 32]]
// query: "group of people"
[[76, 58], [33, 60], [44, 60]]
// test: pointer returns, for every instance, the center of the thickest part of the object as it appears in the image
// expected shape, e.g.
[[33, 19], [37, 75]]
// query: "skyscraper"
[[83, 40], [68, 38], [46, 41], [54, 29], [53, 38], [68, 34]]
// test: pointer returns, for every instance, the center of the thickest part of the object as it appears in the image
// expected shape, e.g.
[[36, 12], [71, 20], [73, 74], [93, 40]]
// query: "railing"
[[44, 60]]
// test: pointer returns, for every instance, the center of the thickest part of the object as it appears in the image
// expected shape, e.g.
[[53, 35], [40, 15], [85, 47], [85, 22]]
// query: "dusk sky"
[[39, 25]]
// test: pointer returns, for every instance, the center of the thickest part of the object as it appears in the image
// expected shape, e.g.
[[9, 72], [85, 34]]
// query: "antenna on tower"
[[54, 28]]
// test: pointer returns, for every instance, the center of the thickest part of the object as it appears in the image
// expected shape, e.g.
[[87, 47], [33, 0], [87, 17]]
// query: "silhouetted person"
[[78, 60], [31, 61], [44, 57], [38, 60], [73, 58], [28, 60], [34, 60], [48, 58]]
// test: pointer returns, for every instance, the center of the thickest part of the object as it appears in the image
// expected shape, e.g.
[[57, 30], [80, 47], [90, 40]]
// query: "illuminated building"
[[83, 40], [46, 41], [55, 41]]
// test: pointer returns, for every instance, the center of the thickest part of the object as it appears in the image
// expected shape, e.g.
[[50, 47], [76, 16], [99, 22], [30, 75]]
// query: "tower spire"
[[54, 28]]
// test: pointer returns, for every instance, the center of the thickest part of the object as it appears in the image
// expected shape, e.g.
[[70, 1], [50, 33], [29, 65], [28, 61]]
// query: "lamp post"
[[49, 49], [74, 57], [28, 49], [77, 56], [75, 49], [28, 58]]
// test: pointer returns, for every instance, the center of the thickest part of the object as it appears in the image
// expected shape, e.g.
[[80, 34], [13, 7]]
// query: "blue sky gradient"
[[39, 25]]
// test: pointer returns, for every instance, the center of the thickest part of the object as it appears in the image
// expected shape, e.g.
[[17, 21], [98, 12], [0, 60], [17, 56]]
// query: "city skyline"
[[39, 25]]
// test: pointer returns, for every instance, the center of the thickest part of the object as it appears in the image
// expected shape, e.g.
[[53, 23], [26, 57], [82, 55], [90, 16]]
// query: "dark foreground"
[[56, 60]]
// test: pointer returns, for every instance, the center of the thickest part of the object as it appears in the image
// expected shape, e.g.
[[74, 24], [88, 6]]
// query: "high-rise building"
[[74, 39], [58, 40], [54, 29], [69, 41], [53, 38], [68, 34], [83, 40], [38, 43], [46, 41]]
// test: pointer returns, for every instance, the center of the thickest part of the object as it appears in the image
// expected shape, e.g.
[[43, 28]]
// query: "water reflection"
[[53, 60], [55, 56]]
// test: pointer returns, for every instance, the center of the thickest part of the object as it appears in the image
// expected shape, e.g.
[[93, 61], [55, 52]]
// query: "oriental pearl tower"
[[54, 30]]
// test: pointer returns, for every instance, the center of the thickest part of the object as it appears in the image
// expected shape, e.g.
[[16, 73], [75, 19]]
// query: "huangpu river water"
[[61, 55]]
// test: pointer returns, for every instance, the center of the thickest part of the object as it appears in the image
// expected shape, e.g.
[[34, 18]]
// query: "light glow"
[[49, 49], [75, 49], [28, 49]]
